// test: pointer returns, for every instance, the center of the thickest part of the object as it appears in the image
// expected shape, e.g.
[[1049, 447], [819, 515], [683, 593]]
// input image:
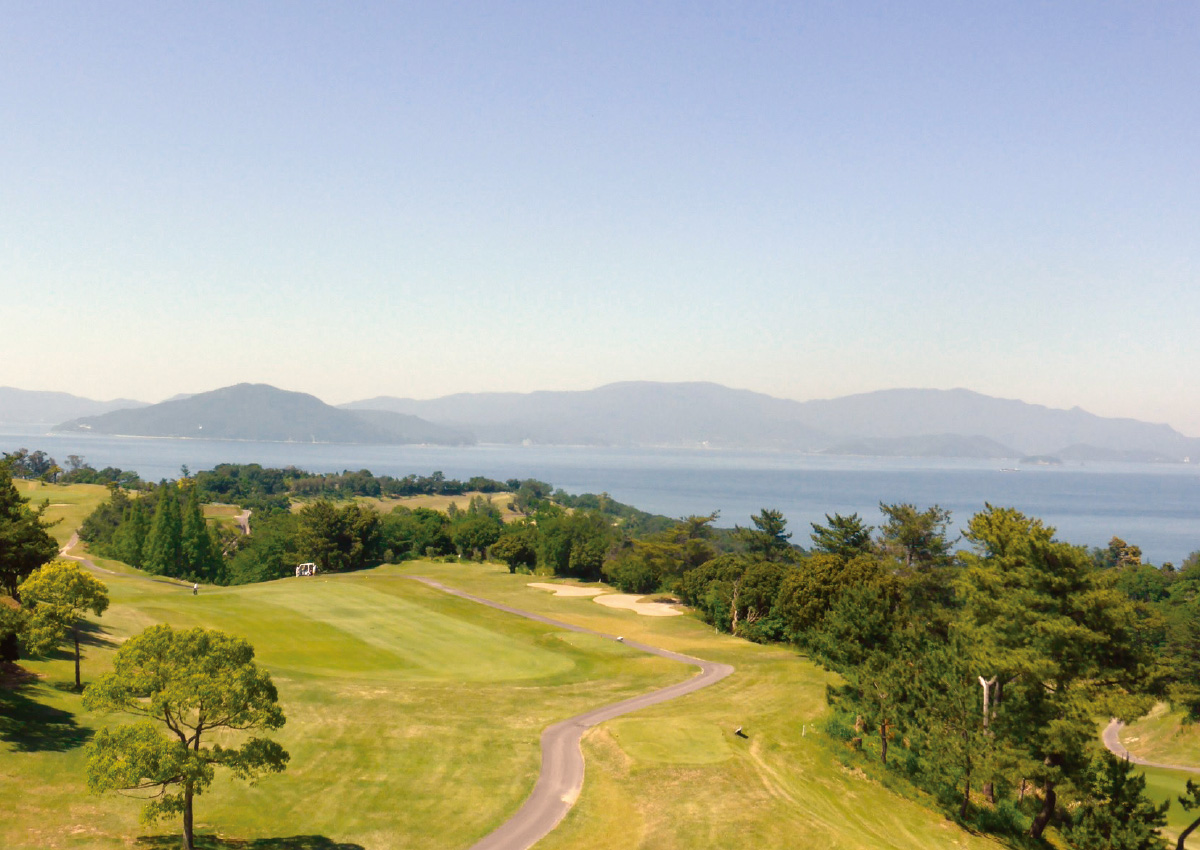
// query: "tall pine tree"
[[201, 560], [164, 546]]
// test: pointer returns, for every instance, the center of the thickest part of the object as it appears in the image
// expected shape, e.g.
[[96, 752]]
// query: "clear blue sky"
[[806, 199]]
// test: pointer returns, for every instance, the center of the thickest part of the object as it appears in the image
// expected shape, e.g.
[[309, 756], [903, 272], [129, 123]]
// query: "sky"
[[806, 199]]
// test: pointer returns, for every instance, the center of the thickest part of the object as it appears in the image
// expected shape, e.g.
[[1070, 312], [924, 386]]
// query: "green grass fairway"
[[1168, 785], [413, 716], [69, 503]]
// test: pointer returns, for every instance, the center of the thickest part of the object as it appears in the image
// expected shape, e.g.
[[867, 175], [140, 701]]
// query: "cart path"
[[87, 562], [561, 777], [1112, 740]]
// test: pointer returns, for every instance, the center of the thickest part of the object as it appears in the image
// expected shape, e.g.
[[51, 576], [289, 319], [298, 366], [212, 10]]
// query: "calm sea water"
[[1156, 507]]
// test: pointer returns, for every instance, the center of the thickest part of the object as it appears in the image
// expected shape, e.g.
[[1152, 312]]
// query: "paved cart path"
[[561, 778], [1113, 741]]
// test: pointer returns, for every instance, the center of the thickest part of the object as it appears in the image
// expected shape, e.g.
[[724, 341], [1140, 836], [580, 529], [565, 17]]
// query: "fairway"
[[414, 718], [390, 747]]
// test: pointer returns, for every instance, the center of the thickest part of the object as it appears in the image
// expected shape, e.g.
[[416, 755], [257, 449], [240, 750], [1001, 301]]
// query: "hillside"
[[264, 413], [30, 407], [941, 423]]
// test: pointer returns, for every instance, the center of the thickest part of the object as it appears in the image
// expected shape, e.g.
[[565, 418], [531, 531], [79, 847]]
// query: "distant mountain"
[[31, 407], [264, 413], [930, 445], [624, 414], [942, 423]]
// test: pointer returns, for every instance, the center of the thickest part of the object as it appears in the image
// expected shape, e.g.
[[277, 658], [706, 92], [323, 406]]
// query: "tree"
[[24, 546], [339, 540], [1115, 814], [198, 551], [847, 536], [57, 596], [194, 683], [1063, 645], [24, 542], [1190, 802], [918, 538], [769, 537], [516, 547], [164, 546], [472, 534]]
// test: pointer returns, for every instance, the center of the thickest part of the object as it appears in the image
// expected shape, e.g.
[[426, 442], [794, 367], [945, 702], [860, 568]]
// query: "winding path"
[[1112, 740], [87, 562], [561, 777]]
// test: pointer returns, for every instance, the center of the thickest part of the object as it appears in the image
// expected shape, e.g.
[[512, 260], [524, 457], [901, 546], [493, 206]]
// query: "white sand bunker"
[[633, 602], [567, 589]]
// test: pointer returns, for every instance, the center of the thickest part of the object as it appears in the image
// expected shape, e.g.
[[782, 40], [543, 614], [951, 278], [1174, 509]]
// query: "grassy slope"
[[413, 716], [675, 776], [1161, 736], [70, 503]]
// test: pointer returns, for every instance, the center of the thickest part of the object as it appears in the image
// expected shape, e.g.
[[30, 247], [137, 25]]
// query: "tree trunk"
[[75, 634], [1042, 819], [883, 738], [188, 837], [989, 791], [1183, 836]]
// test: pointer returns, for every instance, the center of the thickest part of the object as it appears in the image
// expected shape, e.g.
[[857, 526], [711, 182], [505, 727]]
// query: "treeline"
[[162, 531], [977, 674], [39, 466], [567, 534]]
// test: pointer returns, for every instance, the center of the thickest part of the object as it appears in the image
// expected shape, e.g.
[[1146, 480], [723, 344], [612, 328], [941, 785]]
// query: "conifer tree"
[[164, 546], [201, 560], [129, 539]]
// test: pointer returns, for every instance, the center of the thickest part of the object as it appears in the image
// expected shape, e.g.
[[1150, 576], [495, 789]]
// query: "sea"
[[1154, 506]]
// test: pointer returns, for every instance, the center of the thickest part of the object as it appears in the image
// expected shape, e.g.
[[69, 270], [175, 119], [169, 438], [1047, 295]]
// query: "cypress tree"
[[129, 540], [201, 560], [164, 546]]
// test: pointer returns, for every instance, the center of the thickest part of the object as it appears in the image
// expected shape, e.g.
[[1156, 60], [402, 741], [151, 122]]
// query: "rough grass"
[[1162, 736], [442, 503], [676, 775]]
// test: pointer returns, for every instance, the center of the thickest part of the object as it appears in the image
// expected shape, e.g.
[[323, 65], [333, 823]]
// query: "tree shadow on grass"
[[32, 727], [212, 842], [92, 634]]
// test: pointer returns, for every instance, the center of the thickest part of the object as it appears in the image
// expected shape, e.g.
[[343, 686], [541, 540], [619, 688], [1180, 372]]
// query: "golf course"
[[414, 718]]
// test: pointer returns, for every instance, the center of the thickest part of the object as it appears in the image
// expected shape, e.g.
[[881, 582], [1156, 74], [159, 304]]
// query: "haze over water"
[[1156, 507]]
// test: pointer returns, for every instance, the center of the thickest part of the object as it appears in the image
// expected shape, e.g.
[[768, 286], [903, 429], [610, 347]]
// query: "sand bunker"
[[567, 589], [634, 602]]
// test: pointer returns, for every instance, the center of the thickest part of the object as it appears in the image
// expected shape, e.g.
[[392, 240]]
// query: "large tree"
[[57, 596], [845, 536], [191, 685], [198, 550], [1061, 644], [163, 554], [1115, 813], [25, 545]]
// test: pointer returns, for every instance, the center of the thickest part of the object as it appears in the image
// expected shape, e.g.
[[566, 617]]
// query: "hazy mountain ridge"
[[259, 412], [941, 423], [904, 422], [35, 407]]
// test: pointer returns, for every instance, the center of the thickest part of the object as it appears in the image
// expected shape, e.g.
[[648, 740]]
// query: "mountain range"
[[902, 422], [264, 413]]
